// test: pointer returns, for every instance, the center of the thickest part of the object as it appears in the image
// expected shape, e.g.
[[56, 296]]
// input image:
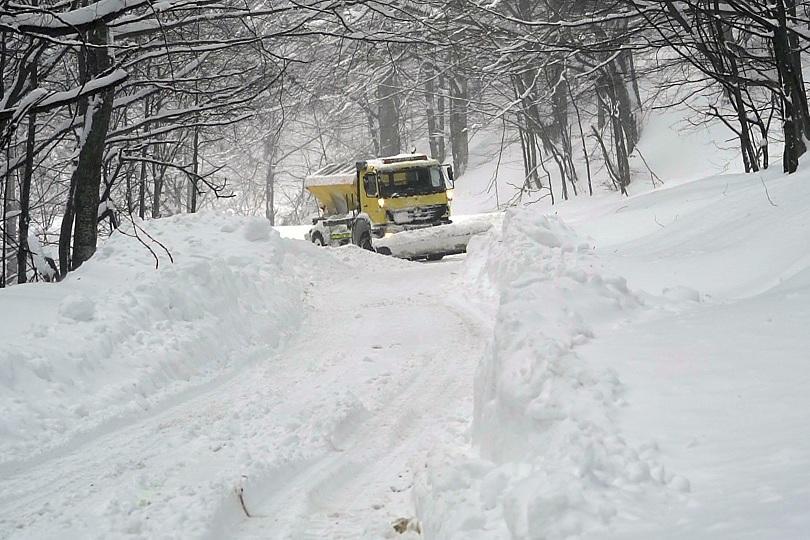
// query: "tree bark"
[[435, 133], [157, 189], [796, 119], [195, 168], [459, 136], [7, 229], [142, 188], [388, 99], [440, 120], [97, 111], [269, 179], [25, 202]]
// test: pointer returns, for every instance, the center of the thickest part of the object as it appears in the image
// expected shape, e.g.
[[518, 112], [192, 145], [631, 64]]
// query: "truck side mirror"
[[450, 179]]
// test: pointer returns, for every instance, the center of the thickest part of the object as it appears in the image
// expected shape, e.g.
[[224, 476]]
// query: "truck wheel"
[[435, 257], [317, 239], [361, 234], [365, 242]]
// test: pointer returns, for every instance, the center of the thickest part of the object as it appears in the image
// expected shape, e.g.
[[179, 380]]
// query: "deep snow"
[[118, 336], [316, 380], [720, 381], [605, 368], [670, 405], [550, 460]]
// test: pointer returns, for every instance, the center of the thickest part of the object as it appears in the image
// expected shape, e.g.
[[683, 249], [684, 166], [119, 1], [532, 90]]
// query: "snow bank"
[[118, 337], [553, 462], [720, 377]]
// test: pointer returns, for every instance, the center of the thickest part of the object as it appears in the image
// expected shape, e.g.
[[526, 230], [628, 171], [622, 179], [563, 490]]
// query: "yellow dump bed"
[[334, 188]]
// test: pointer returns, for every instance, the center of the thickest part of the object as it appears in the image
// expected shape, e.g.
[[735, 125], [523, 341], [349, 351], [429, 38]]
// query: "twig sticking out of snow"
[[240, 494], [136, 228], [767, 194]]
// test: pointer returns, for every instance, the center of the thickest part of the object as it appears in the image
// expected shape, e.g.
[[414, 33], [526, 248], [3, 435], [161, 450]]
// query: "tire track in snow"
[[318, 432], [360, 489]]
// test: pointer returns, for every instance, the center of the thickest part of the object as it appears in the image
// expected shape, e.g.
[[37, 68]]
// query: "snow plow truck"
[[398, 205]]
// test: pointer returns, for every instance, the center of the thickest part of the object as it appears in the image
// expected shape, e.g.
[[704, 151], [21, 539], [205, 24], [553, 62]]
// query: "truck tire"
[[365, 242], [361, 234], [317, 239], [435, 257]]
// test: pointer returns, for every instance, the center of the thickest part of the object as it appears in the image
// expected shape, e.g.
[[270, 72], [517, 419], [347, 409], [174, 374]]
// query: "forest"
[[118, 111]]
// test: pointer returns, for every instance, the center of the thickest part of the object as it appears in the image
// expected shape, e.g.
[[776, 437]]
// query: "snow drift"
[[118, 336], [554, 462]]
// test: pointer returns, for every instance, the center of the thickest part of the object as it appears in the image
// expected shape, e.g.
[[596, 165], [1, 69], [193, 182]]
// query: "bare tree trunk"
[[614, 99], [435, 132], [66, 229], [195, 168], [390, 143], [459, 136], [157, 188], [581, 138], [269, 179], [158, 171], [528, 138], [723, 36], [796, 121], [25, 201], [624, 107], [142, 188], [525, 154], [98, 111], [440, 123], [130, 202], [7, 228], [371, 122]]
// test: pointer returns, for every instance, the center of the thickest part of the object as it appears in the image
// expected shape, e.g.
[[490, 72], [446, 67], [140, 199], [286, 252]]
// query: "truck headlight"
[[449, 193], [381, 202]]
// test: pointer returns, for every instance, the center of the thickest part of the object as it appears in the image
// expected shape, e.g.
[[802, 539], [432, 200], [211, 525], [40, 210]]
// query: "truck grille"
[[422, 214]]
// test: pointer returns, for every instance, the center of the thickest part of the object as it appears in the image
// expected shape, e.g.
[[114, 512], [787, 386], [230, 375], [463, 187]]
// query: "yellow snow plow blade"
[[432, 242]]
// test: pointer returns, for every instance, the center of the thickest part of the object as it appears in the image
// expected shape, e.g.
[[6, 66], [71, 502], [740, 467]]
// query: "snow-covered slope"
[[673, 146], [118, 337], [719, 381], [667, 405]]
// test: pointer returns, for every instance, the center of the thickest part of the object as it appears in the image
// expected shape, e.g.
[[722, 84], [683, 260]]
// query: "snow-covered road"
[[397, 340], [320, 436], [648, 381]]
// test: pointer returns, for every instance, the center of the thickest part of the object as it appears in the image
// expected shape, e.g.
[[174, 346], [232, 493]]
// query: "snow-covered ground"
[[668, 405], [606, 368], [120, 336], [310, 381], [719, 378]]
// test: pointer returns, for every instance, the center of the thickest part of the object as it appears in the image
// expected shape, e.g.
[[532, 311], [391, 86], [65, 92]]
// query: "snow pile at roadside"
[[720, 384], [118, 337], [553, 462]]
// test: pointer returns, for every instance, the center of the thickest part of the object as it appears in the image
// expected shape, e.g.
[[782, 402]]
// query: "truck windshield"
[[416, 181]]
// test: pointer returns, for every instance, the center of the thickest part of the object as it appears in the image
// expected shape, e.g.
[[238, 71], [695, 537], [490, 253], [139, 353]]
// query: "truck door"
[[370, 199]]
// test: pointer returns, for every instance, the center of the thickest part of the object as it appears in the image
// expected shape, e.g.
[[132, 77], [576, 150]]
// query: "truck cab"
[[404, 192]]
